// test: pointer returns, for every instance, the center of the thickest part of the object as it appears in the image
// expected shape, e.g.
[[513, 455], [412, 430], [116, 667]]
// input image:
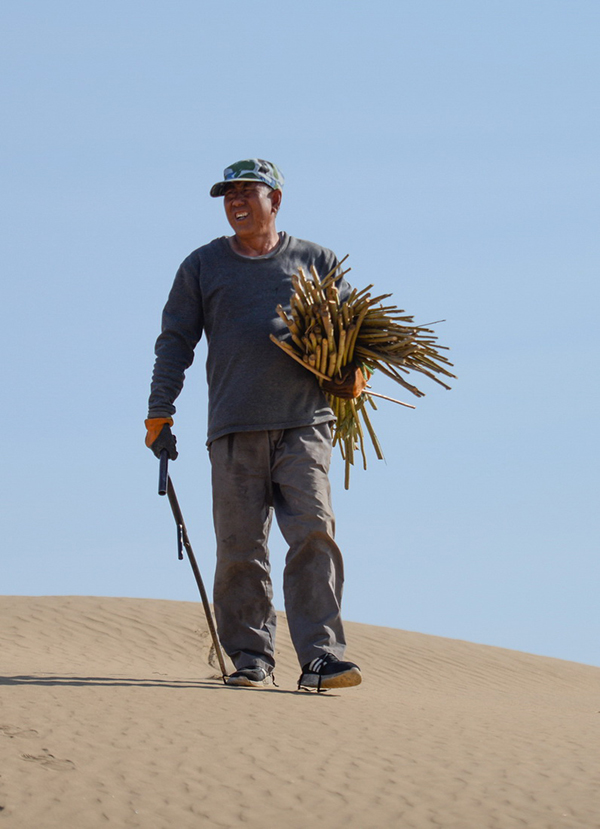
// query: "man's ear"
[[276, 199]]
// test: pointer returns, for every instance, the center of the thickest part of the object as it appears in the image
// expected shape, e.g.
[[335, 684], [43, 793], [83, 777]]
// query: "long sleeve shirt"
[[252, 384]]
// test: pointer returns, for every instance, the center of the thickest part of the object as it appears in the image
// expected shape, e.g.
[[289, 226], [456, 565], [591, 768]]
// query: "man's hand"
[[159, 436], [351, 384]]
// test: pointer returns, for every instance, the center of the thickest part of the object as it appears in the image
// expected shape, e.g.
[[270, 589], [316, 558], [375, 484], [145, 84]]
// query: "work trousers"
[[253, 475]]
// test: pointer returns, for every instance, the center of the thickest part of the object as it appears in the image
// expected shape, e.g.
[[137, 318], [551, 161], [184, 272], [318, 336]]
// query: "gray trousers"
[[254, 474]]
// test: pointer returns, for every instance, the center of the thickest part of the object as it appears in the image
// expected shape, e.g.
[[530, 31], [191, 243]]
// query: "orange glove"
[[350, 385], [154, 426], [159, 436]]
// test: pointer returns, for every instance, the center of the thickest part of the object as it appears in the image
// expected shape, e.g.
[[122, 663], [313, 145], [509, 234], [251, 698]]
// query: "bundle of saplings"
[[328, 335]]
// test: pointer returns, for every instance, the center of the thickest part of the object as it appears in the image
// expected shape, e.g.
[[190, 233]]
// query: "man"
[[269, 433]]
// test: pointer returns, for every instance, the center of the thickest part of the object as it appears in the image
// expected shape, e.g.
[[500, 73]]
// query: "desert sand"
[[110, 715]]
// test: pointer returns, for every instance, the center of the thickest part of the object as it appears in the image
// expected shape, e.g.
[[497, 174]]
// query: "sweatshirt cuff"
[[160, 413]]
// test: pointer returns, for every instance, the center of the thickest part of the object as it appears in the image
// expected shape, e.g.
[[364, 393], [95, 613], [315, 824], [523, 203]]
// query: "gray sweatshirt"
[[252, 384]]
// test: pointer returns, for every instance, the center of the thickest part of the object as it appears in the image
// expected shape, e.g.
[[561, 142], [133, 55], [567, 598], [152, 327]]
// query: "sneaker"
[[251, 677], [328, 672]]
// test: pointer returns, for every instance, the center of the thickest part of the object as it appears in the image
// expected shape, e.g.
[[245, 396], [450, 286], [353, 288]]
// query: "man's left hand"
[[349, 385]]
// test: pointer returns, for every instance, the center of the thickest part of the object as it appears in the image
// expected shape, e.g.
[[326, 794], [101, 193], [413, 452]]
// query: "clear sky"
[[451, 149]]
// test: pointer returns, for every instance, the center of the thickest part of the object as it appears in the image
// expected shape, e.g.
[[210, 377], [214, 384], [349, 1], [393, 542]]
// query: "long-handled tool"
[[165, 487]]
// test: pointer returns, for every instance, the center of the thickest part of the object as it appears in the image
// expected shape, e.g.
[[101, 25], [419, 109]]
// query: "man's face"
[[251, 207]]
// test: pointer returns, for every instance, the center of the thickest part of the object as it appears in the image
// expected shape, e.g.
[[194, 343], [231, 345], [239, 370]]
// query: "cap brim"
[[218, 189]]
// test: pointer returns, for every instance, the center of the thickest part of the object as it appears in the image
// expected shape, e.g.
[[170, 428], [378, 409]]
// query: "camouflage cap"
[[251, 169]]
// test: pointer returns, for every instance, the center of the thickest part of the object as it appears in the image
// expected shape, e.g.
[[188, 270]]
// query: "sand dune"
[[111, 716]]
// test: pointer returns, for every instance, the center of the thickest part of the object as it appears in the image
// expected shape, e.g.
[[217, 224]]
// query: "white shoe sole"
[[244, 682], [346, 679]]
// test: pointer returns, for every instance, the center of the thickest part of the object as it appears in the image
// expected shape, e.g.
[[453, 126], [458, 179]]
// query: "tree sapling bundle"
[[326, 335]]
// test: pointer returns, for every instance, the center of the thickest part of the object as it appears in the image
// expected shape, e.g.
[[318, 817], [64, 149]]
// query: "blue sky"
[[451, 149]]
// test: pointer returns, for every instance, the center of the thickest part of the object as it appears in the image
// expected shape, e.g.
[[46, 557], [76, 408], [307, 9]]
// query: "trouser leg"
[[242, 511], [314, 572]]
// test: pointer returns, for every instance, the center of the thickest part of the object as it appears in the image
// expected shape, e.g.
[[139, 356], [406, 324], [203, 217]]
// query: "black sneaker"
[[251, 677], [328, 672]]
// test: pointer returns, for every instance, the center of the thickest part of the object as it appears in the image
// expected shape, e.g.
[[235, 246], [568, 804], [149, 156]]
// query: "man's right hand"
[[159, 436], [350, 384]]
